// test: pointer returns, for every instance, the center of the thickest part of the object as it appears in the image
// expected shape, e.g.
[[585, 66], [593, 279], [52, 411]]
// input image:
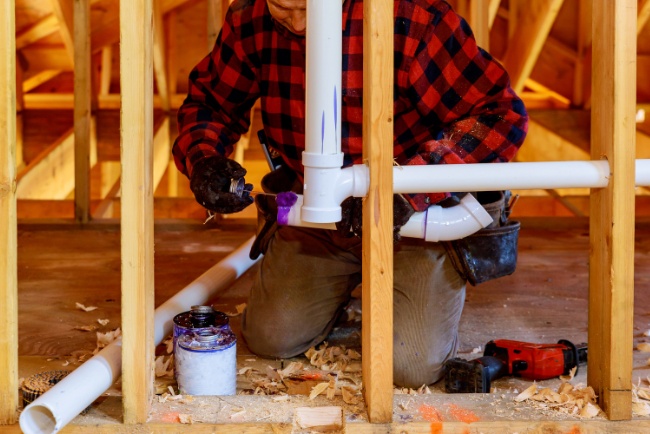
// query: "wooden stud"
[[480, 22], [82, 110], [529, 35], [377, 275], [8, 232], [611, 270], [493, 8], [106, 70], [136, 71], [159, 61]]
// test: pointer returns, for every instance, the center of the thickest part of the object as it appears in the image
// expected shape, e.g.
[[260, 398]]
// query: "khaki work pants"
[[304, 283]]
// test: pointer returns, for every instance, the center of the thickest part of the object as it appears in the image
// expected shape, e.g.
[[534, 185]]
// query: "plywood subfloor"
[[61, 264]]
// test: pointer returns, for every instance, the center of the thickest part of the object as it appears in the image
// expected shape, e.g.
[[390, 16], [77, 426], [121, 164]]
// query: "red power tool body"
[[506, 357]]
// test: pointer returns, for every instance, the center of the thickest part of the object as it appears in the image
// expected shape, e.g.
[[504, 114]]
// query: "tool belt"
[[277, 181], [491, 252]]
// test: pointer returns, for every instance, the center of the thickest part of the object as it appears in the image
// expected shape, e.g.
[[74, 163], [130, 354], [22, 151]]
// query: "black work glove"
[[210, 183], [352, 217]]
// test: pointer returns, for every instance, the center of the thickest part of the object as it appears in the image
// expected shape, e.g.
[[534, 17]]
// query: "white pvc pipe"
[[446, 224], [642, 173], [322, 158], [500, 176], [434, 224], [58, 406]]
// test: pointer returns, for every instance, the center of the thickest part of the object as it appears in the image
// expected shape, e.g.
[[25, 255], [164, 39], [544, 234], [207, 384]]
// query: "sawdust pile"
[[574, 401], [332, 371]]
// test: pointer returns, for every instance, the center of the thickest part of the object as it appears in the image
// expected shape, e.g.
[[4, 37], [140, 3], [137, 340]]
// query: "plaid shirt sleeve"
[[458, 85], [222, 91]]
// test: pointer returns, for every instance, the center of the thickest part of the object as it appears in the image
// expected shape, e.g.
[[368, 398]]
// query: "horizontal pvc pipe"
[[642, 173], [58, 406], [496, 176], [523, 176], [446, 224]]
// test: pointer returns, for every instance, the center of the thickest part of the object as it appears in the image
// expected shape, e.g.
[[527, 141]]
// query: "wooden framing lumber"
[[159, 61], [644, 15], [65, 101], [136, 71], [82, 110], [477, 14], [377, 243], [63, 10], [531, 31], [41, 29], [37, 79], [51, 174], [8, 231], [611, 276]]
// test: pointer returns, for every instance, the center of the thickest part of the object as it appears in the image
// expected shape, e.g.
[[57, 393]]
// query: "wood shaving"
[[317, 390], [86, 328], [646, 333], [169, 344], [239, 308], [236, 415], [164, 366], [281, 398], [85, 308], [568, 399], [476, 350], [640, 408], [572, 373], [103, 321], [103, 339], [185, 418], [643, 347]]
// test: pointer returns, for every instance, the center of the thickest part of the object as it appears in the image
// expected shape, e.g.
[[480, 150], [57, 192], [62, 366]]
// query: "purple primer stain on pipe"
[[335, 117], [285, 201]]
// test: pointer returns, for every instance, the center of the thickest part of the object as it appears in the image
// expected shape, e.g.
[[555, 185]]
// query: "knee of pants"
[[414, 375], [272, 340]]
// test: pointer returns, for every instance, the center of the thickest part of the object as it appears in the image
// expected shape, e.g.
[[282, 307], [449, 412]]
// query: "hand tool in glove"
[[352, 217], [210, 183], [505, 357]]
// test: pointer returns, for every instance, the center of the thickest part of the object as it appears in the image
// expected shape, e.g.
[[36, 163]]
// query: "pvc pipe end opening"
[[37, 419]]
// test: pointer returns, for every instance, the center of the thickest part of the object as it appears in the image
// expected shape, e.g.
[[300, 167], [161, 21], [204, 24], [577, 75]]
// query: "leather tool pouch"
[[278, 181], [491, 252]]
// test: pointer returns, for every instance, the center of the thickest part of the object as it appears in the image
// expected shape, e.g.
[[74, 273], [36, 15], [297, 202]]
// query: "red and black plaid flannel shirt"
[[452, 102]]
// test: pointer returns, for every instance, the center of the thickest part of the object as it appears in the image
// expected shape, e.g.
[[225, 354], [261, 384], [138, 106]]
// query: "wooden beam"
[[42, 77], [532, 29], [51, 174], [40, 30], [40, 58], [644, 15], [82, 110], [171, 55], [65, 101], [107, 65], [159, 61], [8, 233], [611, 269], [493, 9], [63, 10], [136, 70], [480, 22], [215, 18], [377, 244], [583, 28]]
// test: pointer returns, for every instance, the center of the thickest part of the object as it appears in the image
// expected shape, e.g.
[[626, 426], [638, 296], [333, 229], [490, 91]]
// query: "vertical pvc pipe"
[[322, 157]]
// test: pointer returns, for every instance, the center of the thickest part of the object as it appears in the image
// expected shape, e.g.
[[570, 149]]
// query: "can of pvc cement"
[[205, 353]]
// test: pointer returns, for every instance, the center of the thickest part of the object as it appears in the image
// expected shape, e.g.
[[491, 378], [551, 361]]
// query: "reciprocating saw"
[[504, 357]]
